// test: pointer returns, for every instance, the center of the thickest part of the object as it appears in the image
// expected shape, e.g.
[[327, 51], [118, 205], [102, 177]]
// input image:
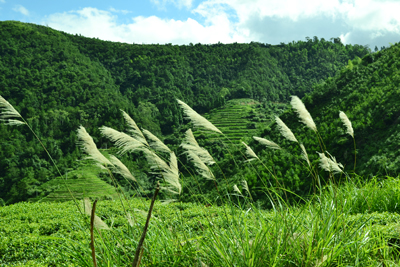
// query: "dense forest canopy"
[[59, 81]]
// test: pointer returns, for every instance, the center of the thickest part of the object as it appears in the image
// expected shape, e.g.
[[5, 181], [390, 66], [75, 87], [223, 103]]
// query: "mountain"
[[367, 90], [58, 81]]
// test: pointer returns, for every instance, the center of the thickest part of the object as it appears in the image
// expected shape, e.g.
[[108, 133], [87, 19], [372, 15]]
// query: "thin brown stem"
[[139, 249], [92, 234]]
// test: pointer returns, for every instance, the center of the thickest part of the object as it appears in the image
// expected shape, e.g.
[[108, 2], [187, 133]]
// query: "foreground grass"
[[348, 226]]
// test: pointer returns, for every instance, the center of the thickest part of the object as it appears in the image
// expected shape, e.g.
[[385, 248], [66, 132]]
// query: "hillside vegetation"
[[368, 91], [59, 81]]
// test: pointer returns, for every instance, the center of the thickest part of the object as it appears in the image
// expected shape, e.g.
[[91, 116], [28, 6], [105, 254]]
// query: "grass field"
[[345, 230]]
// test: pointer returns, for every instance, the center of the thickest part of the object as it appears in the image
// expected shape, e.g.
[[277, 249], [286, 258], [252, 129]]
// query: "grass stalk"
[[140, 247], [92, 234]]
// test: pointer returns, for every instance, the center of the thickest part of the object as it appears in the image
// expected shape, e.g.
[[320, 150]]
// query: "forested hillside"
[[368, 91], [59, 81]]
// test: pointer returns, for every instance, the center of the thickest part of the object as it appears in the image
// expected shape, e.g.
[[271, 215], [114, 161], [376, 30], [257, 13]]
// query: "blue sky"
[[365, 22]]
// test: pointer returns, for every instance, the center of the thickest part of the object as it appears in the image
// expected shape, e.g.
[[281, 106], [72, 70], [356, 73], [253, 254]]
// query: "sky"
[[365, 22]]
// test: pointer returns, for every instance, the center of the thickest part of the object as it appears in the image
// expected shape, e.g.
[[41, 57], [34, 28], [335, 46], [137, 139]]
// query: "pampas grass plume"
[[134, 129], [170, 173], [285, 131], [347, 123], [329, 164], [122, 140], [156, 143], [250, 153], [85, 141], [304, 155], [172, 177], [246, 186], [303, 113], [121, 168], [267, 143], [190, 143], [202, 168], [197, 120], [7, 112], [236, 189]]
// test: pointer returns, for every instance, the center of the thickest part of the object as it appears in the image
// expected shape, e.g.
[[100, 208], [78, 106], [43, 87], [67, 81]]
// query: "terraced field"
[[83, 182], [236, 119]]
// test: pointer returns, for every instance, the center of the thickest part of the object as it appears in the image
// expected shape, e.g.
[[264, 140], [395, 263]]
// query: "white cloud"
[[122, 11], [375, 15], [161, 4], [102, 24], [21, 9], [2, 1], [370, 15], [345, 38], [355, 21]]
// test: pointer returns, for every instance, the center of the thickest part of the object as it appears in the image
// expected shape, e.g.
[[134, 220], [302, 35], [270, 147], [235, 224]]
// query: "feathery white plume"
[[122, 140], [236, 189], [304, 155], [7, 112], [100, 166], [98, 223], [285, 131], [267, 143], [190, 143], [120, 168], [134, 129], [347, 123], [197, 119], [173, 162], [250, 153], [172, 177], [329, 164], [13, 122], [129, 218], [156, 143], [202, 168], [245, 186], [85, 141], [170, 173], [303, 113]]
